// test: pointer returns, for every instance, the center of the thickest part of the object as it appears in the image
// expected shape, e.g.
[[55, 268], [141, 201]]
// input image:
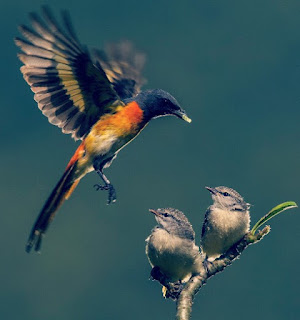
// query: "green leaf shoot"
[[276, 210]]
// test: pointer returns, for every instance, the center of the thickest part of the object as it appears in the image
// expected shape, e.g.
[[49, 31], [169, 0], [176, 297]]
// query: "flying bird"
[[95, 98], [226, 221]]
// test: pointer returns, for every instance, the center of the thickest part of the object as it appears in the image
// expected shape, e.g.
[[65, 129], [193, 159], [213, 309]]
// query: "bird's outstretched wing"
[[123, 66], [69, 89]]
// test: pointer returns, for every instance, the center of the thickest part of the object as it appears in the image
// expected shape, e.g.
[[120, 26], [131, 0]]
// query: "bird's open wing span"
[[69, 89], [123, 66]]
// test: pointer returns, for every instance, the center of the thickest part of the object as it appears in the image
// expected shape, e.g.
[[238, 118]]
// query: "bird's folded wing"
[[69, 89], [123, 66], [205, 222]]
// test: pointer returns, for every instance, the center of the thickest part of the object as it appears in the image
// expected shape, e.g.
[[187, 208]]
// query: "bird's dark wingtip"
[[34, 241]]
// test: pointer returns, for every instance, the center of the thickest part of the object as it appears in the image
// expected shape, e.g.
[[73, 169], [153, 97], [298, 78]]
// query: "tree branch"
[[186, 296], [184, 293]]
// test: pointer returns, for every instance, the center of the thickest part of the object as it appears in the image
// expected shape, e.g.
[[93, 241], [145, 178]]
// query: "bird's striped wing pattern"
[[123, 66], [205, 222], [69, 89]]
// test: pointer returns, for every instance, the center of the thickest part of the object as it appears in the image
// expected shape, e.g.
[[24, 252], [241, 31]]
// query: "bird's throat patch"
[[133, 112]]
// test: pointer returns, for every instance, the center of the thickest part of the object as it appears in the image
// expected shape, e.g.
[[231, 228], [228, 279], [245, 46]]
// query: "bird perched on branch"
[[97, 100], [226, 221], [171, 248]]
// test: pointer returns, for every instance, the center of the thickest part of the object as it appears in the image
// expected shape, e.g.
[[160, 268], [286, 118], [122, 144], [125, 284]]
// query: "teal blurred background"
[[234, 67]]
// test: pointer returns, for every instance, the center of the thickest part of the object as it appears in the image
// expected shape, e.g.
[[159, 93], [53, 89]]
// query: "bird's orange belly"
[[112, 132]]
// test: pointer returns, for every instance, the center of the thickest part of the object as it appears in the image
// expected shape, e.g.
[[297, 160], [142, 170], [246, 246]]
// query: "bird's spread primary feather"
[[69, 88]]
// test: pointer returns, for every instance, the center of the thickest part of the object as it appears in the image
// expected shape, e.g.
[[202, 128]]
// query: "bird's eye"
[[225, 194], [165, 214]]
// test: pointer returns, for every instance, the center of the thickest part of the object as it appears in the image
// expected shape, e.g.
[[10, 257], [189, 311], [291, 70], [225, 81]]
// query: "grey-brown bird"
[[171, 246], [226, 221]]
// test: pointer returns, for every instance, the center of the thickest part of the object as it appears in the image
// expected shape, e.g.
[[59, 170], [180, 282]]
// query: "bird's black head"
[[157, 103]]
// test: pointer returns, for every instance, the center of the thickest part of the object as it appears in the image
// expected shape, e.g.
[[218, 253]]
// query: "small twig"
[[234, 252], [186, 297]]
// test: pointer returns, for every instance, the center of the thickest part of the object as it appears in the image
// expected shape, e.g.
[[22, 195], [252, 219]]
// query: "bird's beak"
[[182, 115], [211, 190], [154, 212]]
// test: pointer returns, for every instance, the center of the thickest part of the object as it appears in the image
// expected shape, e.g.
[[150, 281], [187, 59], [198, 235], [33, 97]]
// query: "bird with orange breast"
[[95, 99]]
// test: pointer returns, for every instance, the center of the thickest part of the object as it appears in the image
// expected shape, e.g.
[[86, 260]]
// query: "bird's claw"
[[100, 187], [206, 265], [170, 290], [174, 290], [112, 196]]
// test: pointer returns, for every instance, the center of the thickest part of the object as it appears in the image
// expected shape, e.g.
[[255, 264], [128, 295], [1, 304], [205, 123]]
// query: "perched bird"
[[97, 100], [226, 221], [171, 246]]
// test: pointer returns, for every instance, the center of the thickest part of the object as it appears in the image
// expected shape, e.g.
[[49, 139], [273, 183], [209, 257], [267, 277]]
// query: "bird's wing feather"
[[69, 89], [205, 222], [123, 66]]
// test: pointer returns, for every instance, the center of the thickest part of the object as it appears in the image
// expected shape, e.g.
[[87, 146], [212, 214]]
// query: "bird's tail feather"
[[61, 192]]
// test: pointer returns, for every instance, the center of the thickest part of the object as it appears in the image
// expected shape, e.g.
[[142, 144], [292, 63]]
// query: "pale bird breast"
[[100, 144], [229, 220], [173, 255], [224, 228]]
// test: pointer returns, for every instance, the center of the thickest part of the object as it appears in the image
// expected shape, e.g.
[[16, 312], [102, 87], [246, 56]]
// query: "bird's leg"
[[173, 290], [170, 289], [112, 197], [206, 264]]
